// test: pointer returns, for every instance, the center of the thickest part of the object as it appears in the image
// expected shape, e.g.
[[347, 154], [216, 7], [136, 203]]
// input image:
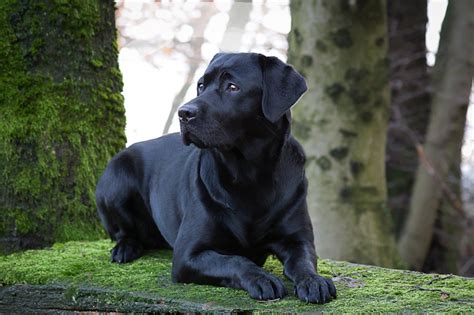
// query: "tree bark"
[[62, 117], [238, 17], [341, 49], [70, 299], [410, 101], [440, 174]]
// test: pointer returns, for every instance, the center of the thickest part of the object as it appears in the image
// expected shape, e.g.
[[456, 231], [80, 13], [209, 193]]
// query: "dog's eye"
[[232, 87], [200, 87]]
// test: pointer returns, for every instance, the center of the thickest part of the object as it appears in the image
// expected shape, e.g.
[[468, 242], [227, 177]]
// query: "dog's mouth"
[[188, 137]]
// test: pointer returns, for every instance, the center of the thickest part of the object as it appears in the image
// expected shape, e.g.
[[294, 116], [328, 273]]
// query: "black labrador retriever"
[[235, 196]]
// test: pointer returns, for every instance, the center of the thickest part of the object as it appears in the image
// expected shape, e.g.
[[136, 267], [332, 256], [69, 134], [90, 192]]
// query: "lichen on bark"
[[62, 117]]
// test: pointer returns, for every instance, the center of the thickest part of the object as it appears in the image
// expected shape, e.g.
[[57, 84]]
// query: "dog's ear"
[[282, 87]]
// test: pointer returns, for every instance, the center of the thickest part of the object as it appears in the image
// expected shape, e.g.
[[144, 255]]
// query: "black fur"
[[233, 197]]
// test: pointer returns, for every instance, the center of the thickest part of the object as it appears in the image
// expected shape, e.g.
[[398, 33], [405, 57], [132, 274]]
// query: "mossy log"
[[78, 276], [64, 299]]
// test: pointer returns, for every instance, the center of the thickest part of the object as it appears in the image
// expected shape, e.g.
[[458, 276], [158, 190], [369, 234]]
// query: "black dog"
[[230, 200]]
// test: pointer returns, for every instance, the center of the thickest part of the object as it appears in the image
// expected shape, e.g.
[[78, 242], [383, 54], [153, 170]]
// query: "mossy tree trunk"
[[341, 49], [62, 117], [436, 217]]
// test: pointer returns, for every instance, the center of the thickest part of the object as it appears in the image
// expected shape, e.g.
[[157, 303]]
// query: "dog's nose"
[[187, 112]]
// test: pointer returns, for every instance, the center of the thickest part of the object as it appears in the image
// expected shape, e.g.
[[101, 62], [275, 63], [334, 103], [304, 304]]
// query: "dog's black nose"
[[187, 112]]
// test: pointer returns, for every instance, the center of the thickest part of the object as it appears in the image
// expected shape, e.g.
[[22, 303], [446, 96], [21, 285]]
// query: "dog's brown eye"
[[232, 87]]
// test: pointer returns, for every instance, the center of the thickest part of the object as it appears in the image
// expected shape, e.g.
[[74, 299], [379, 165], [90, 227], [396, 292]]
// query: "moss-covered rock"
[[62, 117], [80, 276]]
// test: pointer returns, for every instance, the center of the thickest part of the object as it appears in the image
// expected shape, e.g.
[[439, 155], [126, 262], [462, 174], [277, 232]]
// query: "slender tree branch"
[[179, 98]]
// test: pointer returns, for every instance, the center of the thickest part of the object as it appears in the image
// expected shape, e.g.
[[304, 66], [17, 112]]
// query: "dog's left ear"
[[282, 87]]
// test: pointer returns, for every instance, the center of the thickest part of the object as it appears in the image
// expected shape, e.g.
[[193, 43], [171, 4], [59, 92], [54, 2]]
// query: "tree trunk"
[[341, 49], [410, 101], [238, 17], [62, 117], [440, 173]]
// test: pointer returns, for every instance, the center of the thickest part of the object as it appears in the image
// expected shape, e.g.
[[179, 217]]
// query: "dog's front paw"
[[263, 286], [126, 251], [315, 289]]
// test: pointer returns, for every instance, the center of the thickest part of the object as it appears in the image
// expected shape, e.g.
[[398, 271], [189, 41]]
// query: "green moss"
[[347, 133], [356, 167], [321, 46], [306, 61], [301, 128], [355, 75], [62, 117], [339, 153], [366, 116], [358, 96], [324, 163], [97, 63], [345, 194], [361, 288], [296, 36], [342, 38], [334, 91]]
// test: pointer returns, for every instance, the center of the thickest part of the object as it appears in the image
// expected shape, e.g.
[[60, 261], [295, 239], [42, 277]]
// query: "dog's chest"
[[255, 213], [260, 208], [240, 230]]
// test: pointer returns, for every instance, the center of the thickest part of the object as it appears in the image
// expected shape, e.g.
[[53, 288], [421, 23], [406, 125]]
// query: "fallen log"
[[78, 277]]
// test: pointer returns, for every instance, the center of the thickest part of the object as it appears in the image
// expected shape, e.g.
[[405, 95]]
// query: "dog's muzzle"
[[187, 112]]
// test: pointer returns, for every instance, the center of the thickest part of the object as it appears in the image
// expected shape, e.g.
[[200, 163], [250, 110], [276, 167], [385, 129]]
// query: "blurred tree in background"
[[410, 100], [341, 49], [435, 232], [62, 117], [436, 217]]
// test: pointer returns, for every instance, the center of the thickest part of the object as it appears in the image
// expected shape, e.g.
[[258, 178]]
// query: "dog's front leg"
[[211, 267], [299, 260]]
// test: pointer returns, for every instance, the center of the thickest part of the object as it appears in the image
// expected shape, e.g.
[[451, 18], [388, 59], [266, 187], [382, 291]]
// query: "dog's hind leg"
[[122, 229], [125, 215]]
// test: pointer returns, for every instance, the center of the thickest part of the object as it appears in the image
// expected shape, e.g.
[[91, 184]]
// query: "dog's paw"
[[315, 289], [263, 286], [126, 251]]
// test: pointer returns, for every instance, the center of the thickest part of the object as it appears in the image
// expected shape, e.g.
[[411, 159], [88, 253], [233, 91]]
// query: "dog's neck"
[[256, 156]]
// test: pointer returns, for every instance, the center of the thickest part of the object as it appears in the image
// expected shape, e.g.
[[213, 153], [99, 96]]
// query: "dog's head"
[[236, 90]]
